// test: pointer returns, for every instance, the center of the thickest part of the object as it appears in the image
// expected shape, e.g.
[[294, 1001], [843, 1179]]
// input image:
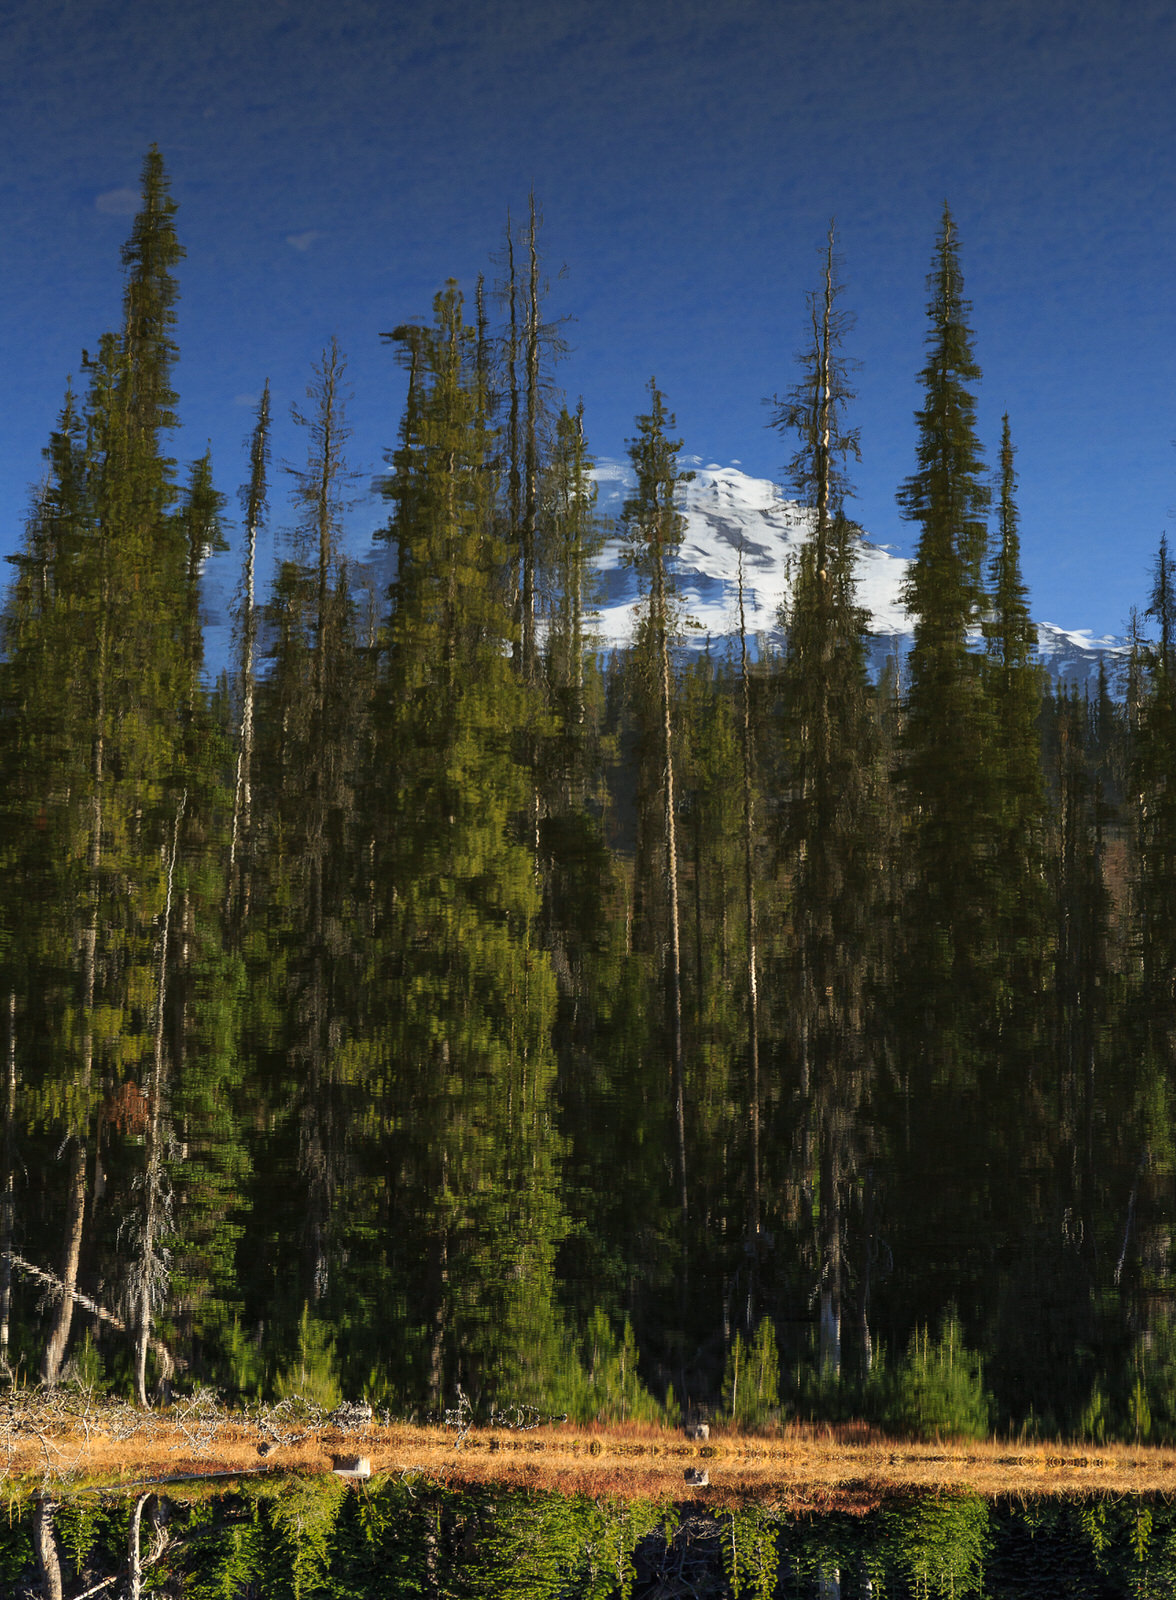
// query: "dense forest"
[[439, 1009]]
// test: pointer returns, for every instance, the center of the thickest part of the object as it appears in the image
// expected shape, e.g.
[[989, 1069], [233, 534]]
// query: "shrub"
[[751, 1383], [939, 1387]]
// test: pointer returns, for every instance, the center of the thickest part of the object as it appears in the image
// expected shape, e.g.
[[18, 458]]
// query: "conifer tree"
[[946, 764], [653, 529], [1015, 685], [1155, 785], [104, 613], [315, 708], [950, 975], [465, 995], [831, 835], [575, 858]]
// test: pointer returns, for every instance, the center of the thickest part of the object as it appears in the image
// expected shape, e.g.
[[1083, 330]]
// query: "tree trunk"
[[45, 1548], [8, 1201], [55, 1345], [753, 1090], [154, 1174], [531, 455], [830, 1325], [240, 885], [134, 1552], [674, 961]]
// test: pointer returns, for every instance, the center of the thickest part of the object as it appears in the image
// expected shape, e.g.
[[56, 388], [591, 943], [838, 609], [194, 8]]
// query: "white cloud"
[[303, 241], [118, 202]]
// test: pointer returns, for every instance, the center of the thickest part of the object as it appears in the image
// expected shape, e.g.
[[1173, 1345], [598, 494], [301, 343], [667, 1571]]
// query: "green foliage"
[[1095, 1421], [940, 1544], [303, 1516], [750, 1549], [751, 1381], [85, 1366], [312, 1373], [244, 1362], [611, 1389], [939, 1389]]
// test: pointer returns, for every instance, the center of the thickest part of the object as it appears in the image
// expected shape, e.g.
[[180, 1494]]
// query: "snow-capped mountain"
[[727, 512]]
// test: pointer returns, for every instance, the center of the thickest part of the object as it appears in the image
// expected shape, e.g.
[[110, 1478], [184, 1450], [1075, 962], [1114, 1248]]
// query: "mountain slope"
[[727, 512]]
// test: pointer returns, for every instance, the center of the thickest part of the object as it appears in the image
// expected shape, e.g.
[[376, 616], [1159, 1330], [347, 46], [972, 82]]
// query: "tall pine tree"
[[946, 763], [831, 833]]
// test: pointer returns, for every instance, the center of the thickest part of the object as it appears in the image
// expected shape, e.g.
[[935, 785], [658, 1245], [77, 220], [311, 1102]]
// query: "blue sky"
[[334, 164]]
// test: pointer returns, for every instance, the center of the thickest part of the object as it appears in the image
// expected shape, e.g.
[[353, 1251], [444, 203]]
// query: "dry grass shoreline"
[[44, 1441]]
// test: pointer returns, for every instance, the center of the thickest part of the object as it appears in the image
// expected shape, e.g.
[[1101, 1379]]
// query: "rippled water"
[[309, 1538]]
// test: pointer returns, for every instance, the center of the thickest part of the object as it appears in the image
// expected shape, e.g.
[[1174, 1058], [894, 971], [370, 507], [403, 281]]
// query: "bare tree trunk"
[[867, 1342], [674, 959], [45, 1548], [8, 1201], [514, 475], [134, 1551], [753, 1088], [531, 453], [830, 1324], [153, 1200], [239, 893], [75, 1218], [440, 1318], [432, 1549]]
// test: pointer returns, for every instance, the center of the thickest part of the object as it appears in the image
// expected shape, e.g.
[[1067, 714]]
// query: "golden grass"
[[796, 1468]]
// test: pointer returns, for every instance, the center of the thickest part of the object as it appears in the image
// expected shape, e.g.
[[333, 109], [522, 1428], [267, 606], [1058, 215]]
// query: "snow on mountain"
[[727, 511]]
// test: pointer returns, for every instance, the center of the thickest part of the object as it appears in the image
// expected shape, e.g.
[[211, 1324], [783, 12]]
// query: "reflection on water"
[[307, 1538], [432, 1008]]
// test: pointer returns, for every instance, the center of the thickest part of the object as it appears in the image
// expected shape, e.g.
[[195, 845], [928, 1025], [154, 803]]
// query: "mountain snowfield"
[[727, 511]]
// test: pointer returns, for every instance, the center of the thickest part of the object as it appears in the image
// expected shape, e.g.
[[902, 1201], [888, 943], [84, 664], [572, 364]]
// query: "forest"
[[436, 1008]]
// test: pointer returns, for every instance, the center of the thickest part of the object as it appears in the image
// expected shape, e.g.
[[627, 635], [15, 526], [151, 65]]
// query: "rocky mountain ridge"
[[727, 512]]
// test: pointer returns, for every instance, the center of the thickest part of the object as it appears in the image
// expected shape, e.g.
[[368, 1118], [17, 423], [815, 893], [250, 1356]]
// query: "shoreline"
[[798, 1467]]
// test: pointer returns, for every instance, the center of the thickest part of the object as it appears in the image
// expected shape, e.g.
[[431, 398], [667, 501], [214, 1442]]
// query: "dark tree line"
[[433, 1001]]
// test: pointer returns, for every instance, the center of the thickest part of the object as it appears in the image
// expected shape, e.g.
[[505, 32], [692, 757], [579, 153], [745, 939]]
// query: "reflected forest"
[[428, 1006], [300, 1537]]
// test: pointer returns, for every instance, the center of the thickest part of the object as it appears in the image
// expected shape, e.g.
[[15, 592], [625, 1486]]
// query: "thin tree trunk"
[[8, 1202], [45, 1548], [75, 1217], [531, 454], [239, 892], [753, 1221], [154, 1174], [134, 1552], [514, 476], [865, 1337], [674, 964], [830, 1323]]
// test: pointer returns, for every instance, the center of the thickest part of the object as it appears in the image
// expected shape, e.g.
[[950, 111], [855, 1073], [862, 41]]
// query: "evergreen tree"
[[831, 834], [947, 767], [314, 705], [1019, 906], [653, 529], [1155, 771], [103, 619], [947, 996], [466, 995]]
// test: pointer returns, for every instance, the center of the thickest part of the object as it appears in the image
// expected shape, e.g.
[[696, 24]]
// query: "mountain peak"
[[728, 512]]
